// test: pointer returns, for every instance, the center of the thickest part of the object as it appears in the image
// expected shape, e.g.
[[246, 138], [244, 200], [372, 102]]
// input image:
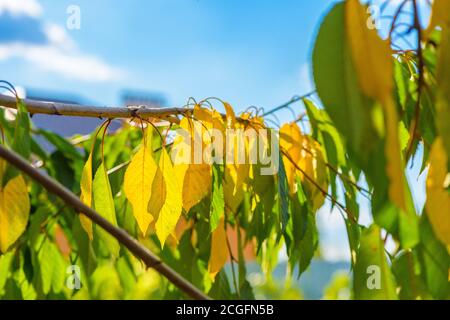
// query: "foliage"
[[379, 108]]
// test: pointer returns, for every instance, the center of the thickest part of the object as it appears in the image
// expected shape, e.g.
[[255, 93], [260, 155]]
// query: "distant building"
[[142, 98], [69, 126], [64, 126]]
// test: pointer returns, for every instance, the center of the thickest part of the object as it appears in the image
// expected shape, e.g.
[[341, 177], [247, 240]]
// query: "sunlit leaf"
[[374, 65], [138, 185], [219, 249], [373, 279], [435, 261], [14, 212], [443, 87], [104, 205], [86, 194], [438, 198], [171, 209], [439, 15], [196, 177]]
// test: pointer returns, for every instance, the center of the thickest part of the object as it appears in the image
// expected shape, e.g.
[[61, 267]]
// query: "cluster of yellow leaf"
[[235, 174], [303, 159], [160, 190]]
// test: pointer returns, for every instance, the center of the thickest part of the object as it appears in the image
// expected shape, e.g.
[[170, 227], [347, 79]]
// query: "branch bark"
[[76, 110], [150, 259], [67, 109]]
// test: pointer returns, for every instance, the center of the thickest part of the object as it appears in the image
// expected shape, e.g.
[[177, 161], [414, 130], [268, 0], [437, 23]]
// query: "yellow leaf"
[[372, 57], [307, 155], [371, 54], [210, 119], [219, 250], [138, 185], [237, 172], [86, 195], [394, 166], [438, 198], [313, 164], [196, 185], [14, 212], [196, 178], [171, 209], [440, 15], [2, 170], [233, 186], [290, 142], [231, 116], [158, 195]]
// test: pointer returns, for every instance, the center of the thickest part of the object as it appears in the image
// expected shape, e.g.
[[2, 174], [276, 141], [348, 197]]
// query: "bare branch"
[[66, 109]]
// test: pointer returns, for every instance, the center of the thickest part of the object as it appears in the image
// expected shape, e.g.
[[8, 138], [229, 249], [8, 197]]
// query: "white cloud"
[[58, 36], [59, 54], [71, 65], [30, 8]]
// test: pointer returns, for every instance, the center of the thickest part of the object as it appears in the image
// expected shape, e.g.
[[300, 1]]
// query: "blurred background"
[[160, 53]]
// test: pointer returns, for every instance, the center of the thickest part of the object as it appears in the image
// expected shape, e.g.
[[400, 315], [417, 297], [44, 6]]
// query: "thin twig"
[[396, 16], [421, 81], [287, 104], [350, 215]]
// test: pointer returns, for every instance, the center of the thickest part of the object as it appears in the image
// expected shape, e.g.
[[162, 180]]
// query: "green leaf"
[[326, 134], [104, 205], [52, 267], [358, 118], [283, 196], [21, 143], [22, 137], [221, 289], [61, 144], [337, 86], [217, 197], [353, 229], [301, 234], [372, 276], [5, 264], [434, 260], [407, 273], [106, 283], [308, 245]]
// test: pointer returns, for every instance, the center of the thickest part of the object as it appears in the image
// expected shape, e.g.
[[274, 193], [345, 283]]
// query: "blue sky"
[[252, 52], [247, 52]]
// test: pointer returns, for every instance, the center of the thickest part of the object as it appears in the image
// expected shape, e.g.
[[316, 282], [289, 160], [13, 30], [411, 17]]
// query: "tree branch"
[[287, 104], [421, 81], [66, 109], [150, 259]]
